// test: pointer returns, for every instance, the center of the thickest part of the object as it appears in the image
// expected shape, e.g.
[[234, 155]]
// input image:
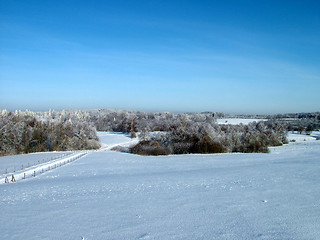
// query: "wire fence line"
[[40, 168], [19, 167]]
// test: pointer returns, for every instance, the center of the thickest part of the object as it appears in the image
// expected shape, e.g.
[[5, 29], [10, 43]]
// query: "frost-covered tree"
[[24, 132]]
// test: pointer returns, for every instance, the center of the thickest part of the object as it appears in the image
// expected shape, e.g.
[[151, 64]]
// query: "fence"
[[40, 168], [28, 165]]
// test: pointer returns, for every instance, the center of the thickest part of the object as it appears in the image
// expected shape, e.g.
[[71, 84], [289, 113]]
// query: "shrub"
[[133, 135], [180, 147], [157, 129], [23, 132], [207, 145], [256, 147], [121, 149], [150, 148]]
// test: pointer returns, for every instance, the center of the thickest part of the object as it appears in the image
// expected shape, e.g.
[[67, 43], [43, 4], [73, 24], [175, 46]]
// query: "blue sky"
[[178, 56]]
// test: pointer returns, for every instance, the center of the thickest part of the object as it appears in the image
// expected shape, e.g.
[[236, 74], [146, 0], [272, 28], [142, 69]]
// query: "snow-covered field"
[[235, 121], [110, 140], [112, 195]]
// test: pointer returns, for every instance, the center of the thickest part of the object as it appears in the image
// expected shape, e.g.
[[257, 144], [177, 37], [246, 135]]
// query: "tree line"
[[160, 133], [26, 132]]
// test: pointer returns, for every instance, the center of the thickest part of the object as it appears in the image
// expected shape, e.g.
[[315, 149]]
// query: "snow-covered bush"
[[154, 148], [194, 137], [24, 132]]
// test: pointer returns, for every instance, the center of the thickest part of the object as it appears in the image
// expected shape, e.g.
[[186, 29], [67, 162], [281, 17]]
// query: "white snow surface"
[[112, 195], [236, 121], [297, 137], [109, 140]]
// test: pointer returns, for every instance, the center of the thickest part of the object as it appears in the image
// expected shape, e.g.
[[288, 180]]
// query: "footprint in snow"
[[144, 236]]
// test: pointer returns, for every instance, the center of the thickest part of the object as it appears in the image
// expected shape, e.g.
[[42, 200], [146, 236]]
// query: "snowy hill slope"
[[19, 168], [112, 195], [15, 162]]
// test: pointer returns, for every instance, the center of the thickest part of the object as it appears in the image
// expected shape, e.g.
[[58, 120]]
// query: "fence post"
[[34, 173], [24, 175]]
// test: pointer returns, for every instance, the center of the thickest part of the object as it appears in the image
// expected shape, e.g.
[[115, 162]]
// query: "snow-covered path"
[[111, 195], [109, 140]]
